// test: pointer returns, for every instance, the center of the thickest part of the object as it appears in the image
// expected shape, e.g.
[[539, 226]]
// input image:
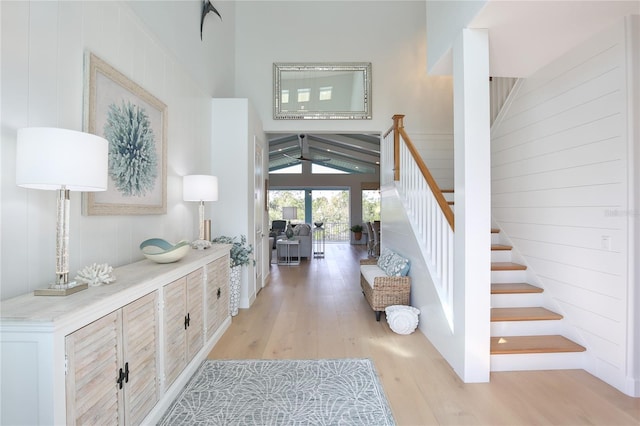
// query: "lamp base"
[[52, 291]]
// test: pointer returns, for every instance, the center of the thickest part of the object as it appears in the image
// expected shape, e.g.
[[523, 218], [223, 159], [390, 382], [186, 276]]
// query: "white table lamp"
[[200, 188], [61, 160], [289, 213]]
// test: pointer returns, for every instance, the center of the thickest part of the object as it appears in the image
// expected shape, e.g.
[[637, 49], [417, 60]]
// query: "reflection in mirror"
[[322, 90]]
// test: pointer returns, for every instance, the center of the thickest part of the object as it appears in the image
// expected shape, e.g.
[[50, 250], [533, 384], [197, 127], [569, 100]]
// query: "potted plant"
[[240, 255], [357, 232]]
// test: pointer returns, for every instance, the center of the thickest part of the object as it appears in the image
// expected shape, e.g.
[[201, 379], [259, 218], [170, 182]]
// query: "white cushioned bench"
[[381, 289]]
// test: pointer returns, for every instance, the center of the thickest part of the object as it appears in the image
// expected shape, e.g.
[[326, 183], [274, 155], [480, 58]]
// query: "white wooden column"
[[472, 262]]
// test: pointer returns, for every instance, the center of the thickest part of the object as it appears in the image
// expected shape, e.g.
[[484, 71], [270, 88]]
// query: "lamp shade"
[[289, 212], [51, 158], [200, 188]]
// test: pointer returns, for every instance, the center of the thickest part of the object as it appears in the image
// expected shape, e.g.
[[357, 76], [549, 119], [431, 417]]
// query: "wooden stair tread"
[[514, 288], [500, 247], [523, 314], [447, 191], [451, 203], [495, 231], [507, 266], [533, 344]]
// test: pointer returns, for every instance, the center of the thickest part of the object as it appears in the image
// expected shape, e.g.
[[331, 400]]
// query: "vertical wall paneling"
[[560, 192], [425, 99], [236, 127], [43, 47]]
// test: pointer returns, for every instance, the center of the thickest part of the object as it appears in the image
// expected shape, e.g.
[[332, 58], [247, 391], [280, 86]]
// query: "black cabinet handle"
[[123, 376], [187, 320], [219, 293], [120, 378]]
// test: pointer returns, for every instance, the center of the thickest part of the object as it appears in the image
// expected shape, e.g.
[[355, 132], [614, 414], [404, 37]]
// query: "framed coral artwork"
[[134, 122]]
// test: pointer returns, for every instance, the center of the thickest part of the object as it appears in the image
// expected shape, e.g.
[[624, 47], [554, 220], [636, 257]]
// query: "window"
[[304, 95], [370, 205], [329, 206], [285, 97], [286, 198], [320, 170], [325, 93], [296, 169]]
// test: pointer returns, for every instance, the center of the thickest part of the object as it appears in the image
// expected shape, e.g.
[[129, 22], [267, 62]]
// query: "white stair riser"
[[517, 300], [508, 276], [552, 361], [501, 255], [523, 362], [525, 328]]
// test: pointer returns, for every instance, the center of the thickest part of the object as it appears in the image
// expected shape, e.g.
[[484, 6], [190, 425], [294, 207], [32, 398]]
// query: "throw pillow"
[[393, 264], [305, 229]]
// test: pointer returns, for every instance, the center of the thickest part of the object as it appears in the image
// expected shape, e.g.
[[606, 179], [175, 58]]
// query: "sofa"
[[302, 233], [384, 281]]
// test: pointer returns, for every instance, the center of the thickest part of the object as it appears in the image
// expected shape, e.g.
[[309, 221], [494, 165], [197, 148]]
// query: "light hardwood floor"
[[317, 310]]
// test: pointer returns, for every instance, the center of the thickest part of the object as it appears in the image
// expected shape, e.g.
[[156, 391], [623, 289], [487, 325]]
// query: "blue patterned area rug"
[[282, 392]]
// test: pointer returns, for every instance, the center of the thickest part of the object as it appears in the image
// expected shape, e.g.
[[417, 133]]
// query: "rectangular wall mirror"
[[322, 91]]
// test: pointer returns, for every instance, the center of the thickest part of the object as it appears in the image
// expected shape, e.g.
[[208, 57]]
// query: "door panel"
[[195, 337], [217, 294], [175, 301], [93, 358], [258, 217], [140, 347]]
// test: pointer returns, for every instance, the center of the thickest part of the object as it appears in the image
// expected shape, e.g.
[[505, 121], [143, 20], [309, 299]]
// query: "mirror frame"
[[279, 114]]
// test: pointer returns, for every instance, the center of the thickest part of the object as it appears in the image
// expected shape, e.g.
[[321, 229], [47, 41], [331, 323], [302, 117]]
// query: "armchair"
[[277, 229], [278, 226]]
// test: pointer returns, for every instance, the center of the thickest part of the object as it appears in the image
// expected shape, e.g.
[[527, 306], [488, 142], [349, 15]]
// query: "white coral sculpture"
[[96, 275]]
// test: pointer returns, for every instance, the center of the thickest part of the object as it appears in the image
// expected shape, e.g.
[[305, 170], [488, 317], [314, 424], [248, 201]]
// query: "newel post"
[[397, 125]]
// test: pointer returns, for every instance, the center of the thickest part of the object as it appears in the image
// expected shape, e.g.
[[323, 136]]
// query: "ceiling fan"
[[301, 138]]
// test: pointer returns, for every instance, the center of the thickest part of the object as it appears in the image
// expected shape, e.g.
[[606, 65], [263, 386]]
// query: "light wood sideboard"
[[114, 354]]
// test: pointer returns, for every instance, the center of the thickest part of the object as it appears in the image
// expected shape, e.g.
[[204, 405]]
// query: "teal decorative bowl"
[[161, 251]]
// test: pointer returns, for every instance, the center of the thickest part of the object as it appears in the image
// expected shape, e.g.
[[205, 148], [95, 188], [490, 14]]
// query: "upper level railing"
[[337, 232], [429, 213]]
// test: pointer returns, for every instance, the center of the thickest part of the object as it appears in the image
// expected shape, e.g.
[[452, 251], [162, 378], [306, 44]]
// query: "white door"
[[258, 219]]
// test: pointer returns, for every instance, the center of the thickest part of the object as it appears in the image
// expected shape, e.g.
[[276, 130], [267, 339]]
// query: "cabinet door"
[[175, 301], [139, 342], [195, 337], [93, 359], [217, 294]]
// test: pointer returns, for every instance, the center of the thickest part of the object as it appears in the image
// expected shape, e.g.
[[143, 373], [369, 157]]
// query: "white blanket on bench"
[[370, 272]]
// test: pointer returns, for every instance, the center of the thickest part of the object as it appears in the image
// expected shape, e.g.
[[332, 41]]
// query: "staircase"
[[524, 335]]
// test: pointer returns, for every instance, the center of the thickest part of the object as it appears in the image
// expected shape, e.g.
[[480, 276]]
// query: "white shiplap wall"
[[560, 192]]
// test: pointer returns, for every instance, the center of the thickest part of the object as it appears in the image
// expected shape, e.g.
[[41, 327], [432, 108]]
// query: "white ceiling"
[[526, 35]]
